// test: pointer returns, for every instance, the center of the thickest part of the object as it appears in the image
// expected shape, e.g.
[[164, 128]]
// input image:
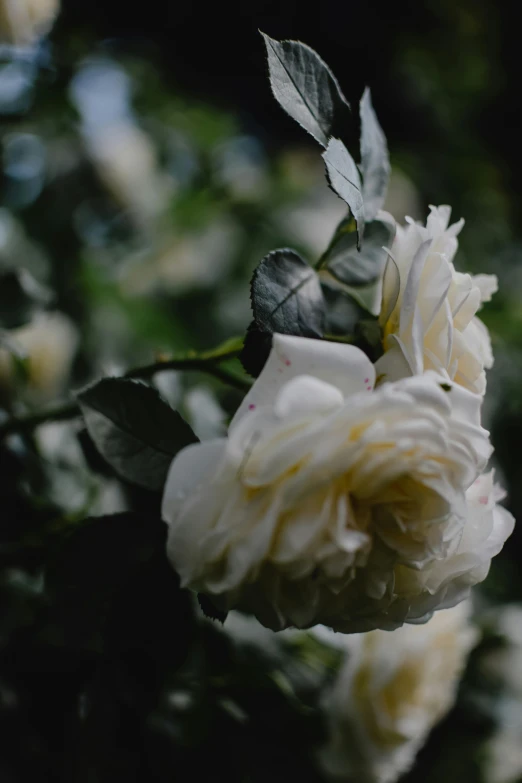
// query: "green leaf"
[[112, 588], [20, 297], [343, 312], [99, 553], [359, 268], [349, 321], [18, 356], [210, 610], [307, 89], [134, 430], [368, 337], [286, 298], [375, 162], [256, 350], [90, 566], [286, 295], [344, 179], [92, 456]]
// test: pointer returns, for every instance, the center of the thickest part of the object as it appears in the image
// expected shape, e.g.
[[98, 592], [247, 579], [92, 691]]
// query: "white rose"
[[49, 343], [390, 693], [323, 488], [22, 21], [428, 308], [503, 753], [445, 582]]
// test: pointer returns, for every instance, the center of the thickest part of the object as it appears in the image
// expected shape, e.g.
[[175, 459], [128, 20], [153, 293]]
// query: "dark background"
[[445, 75]]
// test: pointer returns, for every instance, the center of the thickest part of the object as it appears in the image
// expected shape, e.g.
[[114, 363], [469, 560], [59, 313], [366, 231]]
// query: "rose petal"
[[343, 366]]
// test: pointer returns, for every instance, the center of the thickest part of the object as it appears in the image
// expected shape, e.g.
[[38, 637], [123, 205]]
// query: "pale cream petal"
[[340, 365], [190, 469]]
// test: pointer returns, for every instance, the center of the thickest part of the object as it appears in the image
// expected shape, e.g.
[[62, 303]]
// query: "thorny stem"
[[206, 362]]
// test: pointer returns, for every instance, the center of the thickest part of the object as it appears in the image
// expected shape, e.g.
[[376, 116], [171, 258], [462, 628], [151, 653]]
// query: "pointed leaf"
[[359, 268], [375, 161], [347, 319], [286, 295], [286, 298], [134, 430], [368, 337], [100, 551], [210, 610], [307, 89], [343, 312], [256, 350], [344, 179]]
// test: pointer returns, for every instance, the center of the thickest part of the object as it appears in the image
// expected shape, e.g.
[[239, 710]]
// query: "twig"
[[208, 363]]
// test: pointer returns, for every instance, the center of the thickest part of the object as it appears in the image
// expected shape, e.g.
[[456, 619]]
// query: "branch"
[[207, 362]]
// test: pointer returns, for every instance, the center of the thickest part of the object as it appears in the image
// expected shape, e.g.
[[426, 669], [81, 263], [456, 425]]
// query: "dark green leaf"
[[134, 430], [286, 298], [18, 355], [153, 603], [368, 337], [20, 297], [375, 161], [113, 588], [92, 456], [358, 268], [91, 565], [347, 318], [343, 312], [344, 179], [101, 551], [210, 610], [256, 350], [286, 295], [307, 89]]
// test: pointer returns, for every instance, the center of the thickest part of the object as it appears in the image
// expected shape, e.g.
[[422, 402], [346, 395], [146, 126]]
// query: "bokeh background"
[[145, 170]]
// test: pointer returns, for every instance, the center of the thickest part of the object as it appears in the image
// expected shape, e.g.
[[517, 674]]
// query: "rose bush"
[[332, 502], [391, 692], [428, 311]]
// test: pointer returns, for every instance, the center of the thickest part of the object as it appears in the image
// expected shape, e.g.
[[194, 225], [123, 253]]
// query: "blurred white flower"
[[191, 260], [240, 167], [503, 759], [17, 250], [428, 308], [392, 690], [126, 162], [502, 666], [333, 503], [49, 344], [122, 152], [23, 21]]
